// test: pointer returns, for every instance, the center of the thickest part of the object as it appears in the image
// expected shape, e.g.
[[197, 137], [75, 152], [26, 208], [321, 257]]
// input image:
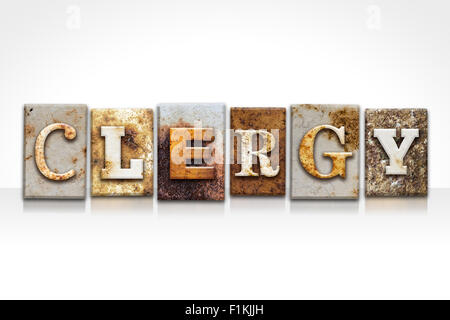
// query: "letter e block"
[[191, 151]]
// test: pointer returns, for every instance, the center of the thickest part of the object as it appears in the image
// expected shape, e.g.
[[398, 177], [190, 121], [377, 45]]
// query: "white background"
[[245, 53]]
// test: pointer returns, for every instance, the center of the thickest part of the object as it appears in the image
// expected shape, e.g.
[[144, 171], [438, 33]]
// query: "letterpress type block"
[[55, 151], [325, 152], [258, 151], [122, 152], [191, 152], [396, 152]]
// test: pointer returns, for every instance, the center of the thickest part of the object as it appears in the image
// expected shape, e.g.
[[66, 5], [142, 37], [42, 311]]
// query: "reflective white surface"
[[258, 248]]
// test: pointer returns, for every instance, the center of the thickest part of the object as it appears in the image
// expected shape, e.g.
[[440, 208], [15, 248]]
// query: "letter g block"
[[325, 152]]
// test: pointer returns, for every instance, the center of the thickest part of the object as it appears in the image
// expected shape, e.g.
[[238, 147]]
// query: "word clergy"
[[324, 158]]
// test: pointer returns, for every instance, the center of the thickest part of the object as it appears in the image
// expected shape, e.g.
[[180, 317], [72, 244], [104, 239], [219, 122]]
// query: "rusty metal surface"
[[137, 143], [206, 115], [55, 151], [70, 133], [307, 158], [415, 182], [324, 165], [181, 154], [254, 182]]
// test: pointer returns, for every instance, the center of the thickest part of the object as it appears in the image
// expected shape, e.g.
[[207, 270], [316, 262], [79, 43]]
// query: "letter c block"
[[55, 151]]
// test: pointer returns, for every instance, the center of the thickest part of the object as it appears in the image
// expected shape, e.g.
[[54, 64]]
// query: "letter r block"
[[258, 151], [396, 152], [325, 152], [55, 151]]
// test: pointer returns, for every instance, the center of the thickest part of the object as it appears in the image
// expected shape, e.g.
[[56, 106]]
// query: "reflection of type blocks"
[[55, 151], [258, 149], [191, 151], [396, 152], [122, 152], [325, 152]]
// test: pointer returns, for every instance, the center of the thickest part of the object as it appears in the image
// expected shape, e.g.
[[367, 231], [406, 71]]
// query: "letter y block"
[[396, 152]]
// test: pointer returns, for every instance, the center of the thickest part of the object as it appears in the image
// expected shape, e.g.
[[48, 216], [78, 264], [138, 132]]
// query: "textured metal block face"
[[122, 152], [268, 123], [191, 151], [55, 151], [391, 174], [325, 152]]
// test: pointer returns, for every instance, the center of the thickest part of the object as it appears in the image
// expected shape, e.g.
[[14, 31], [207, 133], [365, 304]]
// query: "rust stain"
[[311, 107], [30, 131], [107, 166], [349, 118], [81, 174], [71, 112], [129, 139]]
